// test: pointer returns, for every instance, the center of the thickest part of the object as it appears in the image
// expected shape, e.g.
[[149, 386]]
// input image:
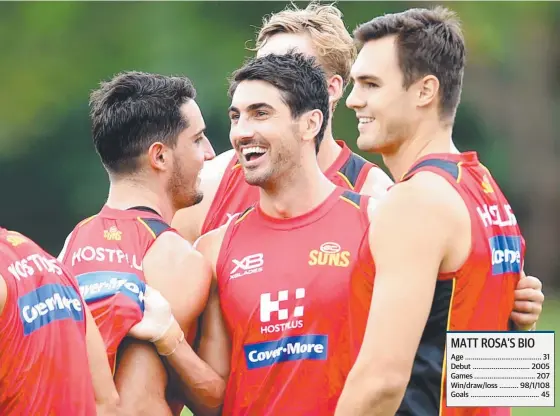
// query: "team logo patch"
[[95, 286], [112, 234], [302, 347], [48, 303], [506, 254], [329, 254]]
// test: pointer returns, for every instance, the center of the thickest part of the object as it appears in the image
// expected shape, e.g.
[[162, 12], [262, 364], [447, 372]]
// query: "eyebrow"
[[252, 107], [366, 78], [201, 131]]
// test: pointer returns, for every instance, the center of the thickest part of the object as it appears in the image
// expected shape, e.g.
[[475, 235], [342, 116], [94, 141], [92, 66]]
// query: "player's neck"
[[298, 194], [329, 149], [126, 193], [430, 139]]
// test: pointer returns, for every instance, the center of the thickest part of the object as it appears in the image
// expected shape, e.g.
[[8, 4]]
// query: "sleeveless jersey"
[[480, 295], [295, 295], [43, 355], [105, 253], [234, 194]]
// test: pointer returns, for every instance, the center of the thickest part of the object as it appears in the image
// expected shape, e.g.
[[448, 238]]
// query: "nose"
[[209, 152], [354, 101], [241, 130]]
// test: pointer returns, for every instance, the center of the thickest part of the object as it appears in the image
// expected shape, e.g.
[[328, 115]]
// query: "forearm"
[[366, 396], [141, 380], [201, 385]]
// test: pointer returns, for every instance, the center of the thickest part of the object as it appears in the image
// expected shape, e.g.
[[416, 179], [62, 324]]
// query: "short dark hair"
[[134, 110], [428, 42], [301, 81]]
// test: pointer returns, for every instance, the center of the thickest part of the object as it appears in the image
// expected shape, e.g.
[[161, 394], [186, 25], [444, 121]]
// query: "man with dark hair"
[[287, 273], [149, 134], [316, 30], [445, 240]]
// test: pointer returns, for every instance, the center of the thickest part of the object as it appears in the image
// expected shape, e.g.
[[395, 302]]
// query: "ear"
[[159, 156], [336, 88], [311, 124], [427, 90]]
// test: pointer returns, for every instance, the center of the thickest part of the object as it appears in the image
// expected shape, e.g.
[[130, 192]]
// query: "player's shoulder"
[[214, 169], [423, 195], [377, 183], [214, 237]]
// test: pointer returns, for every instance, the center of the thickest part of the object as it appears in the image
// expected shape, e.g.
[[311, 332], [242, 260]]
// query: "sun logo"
[[486, 185], [112, 234], [15, 239]]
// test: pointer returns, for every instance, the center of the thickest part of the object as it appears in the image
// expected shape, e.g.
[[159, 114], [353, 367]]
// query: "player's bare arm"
[[182, 276], [189, 221], [377, 183], [416, 221], [106, 396], [215, 344]]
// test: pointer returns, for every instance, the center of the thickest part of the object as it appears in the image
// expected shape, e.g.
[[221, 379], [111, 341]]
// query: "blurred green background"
[[54, 54]]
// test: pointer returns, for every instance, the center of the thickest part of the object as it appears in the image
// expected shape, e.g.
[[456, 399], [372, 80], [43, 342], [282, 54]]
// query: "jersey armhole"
[[363, 175]]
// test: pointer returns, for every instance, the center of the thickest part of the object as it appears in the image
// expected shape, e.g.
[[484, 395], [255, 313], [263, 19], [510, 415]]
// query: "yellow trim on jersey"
[[443, 372], [345, 179], [237, 221], [114, 369], [84, 222], [459, 171], [350, 202], [237, 165], [147, 226]]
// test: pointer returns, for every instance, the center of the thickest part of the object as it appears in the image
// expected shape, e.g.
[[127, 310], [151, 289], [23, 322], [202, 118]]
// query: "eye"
[[260, 113], [371, 85], [199, 139], [234, 117]]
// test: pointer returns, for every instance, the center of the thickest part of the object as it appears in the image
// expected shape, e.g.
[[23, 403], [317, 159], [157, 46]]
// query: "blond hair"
[[333, 44]]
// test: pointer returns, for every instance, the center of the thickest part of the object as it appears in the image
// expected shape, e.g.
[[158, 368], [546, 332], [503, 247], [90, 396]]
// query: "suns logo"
[[112, 234], [15, 239], [329, 254]]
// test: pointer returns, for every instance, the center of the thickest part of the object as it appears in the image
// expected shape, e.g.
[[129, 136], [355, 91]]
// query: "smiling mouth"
[[253, 153], [365, 120]]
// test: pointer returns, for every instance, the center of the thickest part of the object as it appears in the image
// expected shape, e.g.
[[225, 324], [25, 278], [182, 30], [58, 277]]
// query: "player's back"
[[43, 355], [105, 253], [477, 297], [295, 295], [234, 194]]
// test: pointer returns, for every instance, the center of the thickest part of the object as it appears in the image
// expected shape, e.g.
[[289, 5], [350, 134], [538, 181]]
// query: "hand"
[[158, 324], [157, 317], [527, 307]]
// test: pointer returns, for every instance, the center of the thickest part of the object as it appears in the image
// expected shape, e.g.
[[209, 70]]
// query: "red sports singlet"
[[105, 253], [43, 355], [477, 297], [295, 295]]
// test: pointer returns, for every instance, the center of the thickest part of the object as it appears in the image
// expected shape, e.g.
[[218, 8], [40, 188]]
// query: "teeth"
[[365, 120], [255, 149]]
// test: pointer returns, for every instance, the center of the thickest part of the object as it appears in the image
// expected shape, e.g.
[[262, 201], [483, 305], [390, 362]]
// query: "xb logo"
[[248, 265]]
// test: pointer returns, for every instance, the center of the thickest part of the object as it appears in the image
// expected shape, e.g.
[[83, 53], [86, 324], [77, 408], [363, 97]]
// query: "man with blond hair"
[[317, 30]]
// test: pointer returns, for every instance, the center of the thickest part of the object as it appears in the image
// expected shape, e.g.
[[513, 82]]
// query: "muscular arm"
[[106, 396], [406, 223], [377, 183], [182, 276], [189, 221]]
